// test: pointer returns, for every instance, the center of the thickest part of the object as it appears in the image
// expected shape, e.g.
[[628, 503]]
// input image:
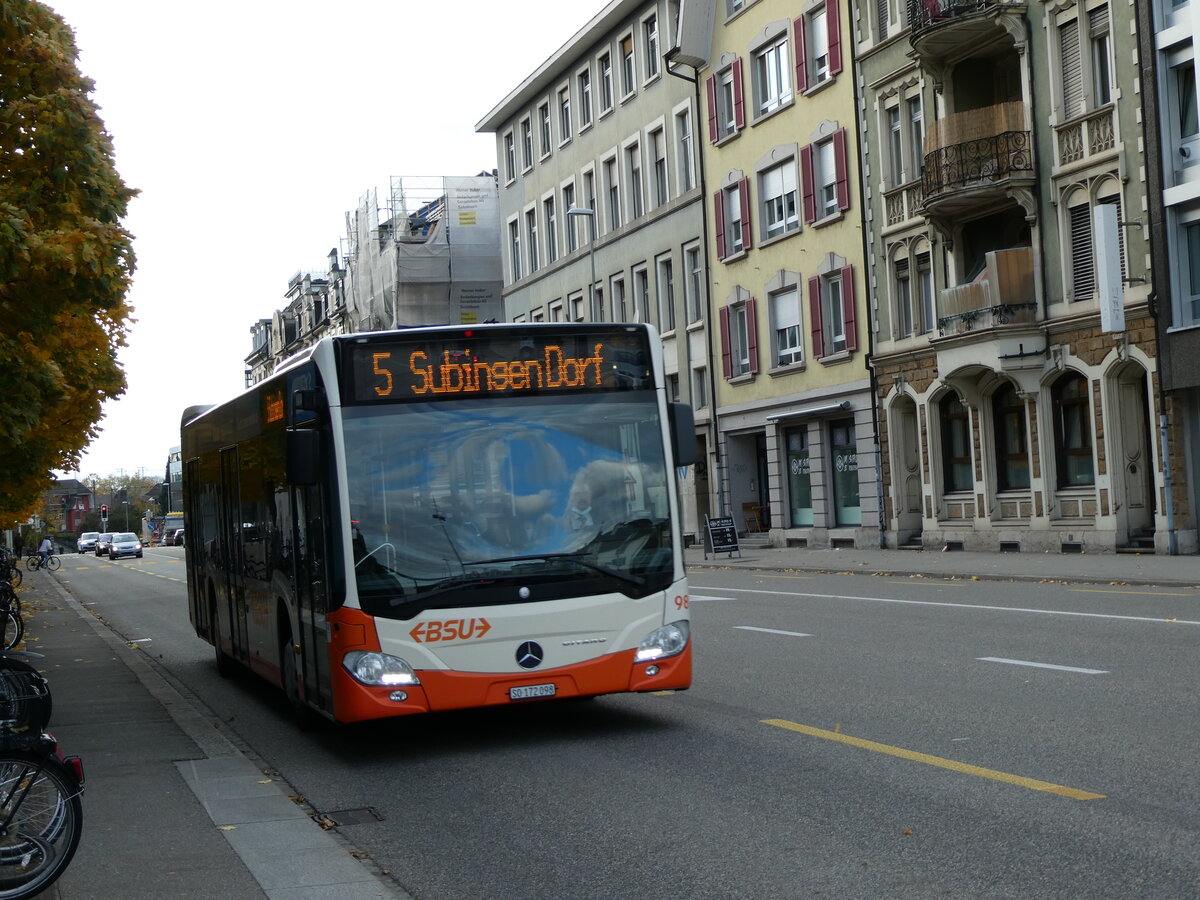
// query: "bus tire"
[[225, 663]]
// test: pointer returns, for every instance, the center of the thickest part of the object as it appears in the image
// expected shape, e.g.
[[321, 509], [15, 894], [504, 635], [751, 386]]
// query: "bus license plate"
[[530, 691]]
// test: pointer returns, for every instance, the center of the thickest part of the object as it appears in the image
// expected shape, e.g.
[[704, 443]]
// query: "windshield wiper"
[[636, 580]]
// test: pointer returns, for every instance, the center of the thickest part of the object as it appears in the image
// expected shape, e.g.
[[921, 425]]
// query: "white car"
[[125, 544], [87, 541]]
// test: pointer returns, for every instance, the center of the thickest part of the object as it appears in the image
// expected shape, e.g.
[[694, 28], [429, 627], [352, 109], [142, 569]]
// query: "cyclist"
[[44, 549]]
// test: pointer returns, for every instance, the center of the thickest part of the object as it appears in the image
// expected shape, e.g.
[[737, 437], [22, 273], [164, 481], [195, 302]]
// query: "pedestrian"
[[18, 545]]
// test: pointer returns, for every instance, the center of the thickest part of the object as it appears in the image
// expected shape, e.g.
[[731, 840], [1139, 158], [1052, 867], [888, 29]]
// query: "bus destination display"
[[480, 363]]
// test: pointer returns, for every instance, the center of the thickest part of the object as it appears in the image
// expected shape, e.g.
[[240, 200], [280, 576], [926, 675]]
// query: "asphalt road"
[[846, 736]]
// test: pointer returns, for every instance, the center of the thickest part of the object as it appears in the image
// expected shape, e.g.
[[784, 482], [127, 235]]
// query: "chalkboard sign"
[[720, 536]]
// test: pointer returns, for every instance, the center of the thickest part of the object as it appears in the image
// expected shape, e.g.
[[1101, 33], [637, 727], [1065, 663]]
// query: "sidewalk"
[[1087, 568], [171, 809]]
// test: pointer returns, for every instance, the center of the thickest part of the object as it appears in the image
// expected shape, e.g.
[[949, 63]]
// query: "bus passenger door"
[[312, 593], [230, 555]]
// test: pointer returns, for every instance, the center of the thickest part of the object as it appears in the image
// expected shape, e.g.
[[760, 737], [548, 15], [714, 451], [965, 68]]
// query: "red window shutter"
[[712, 109], [841, 170], [801, 49], [752, 333], [807, 190], [814, 314], [833, 28], [849, 308], [739, 105], [744, 202], [726, 345], [719, 222]]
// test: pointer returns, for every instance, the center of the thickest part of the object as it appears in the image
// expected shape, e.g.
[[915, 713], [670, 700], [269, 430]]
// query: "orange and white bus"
[[442, 518]]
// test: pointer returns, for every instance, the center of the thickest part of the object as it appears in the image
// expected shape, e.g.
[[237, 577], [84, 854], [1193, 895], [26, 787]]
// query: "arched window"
[[1012, 449], [1072, 431], [956, 444]]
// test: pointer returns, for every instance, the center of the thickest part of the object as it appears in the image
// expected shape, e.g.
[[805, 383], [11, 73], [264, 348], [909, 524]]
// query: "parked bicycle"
[[41, 813], [10, 568], [12, 625]]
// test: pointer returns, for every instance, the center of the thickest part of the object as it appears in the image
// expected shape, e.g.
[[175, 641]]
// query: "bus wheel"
[[304, 718], [225, 663]]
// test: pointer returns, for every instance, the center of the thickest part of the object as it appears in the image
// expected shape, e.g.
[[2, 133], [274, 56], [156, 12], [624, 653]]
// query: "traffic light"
[[104, 512]]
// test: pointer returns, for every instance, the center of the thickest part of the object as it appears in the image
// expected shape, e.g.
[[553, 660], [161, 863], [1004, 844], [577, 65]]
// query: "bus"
[[445, 518]]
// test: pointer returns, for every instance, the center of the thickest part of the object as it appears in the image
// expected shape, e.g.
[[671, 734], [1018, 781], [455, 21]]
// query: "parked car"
[[87, 541], [173, 538], [179, 537], [103, 542], [125, 544]]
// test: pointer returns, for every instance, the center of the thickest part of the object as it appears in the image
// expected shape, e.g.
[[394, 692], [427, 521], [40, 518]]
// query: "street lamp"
[[591, 214]]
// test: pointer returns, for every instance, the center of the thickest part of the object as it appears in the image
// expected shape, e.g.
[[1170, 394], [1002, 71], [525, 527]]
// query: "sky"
[[251, 128]]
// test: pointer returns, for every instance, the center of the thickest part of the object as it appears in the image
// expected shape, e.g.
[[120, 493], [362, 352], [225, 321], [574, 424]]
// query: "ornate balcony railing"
[[1002, 295], [904, 202], [987, 317], [983, 159], [924, 14], [1086, 136]]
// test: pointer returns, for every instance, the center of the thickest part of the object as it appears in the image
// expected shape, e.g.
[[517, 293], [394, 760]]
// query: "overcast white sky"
[[251, 127]]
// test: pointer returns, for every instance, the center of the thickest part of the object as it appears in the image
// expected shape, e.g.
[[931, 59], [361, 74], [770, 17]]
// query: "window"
[[700, 387], [799, 470], [1082, 271], [564, 113], [825, 177], [600, 302], [1072, 431], [785, 320], [739, 338], [641, 295], [732, 6], [576, 307], [895, 147], [819, 46], [904, 307], [664, 283], [628, 70], [726, 113], [694, 285], [1012, 451], [531, 239], [956, 445], [731, 209], [1085, 62], [686, 157], [925, 292], [634, 202], [772, 76], [568, 202], [658, 147], [832, 313], [526, 144], [650, 46], [556, 311], [843, 453], [606, 83], [544, 129], [1183, 124], [551, 220], [585, 99], [1190, 265], [589, 198], [916, 137], [780, 209], [620, 310], [510, 157], [612, 190], [673, 388], [881, 19], [514, 249], [1098, 32]]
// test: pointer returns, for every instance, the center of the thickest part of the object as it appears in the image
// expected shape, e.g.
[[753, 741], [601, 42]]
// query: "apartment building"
[[1169, 33], [600, 201], [794, 400], [1009, 255]]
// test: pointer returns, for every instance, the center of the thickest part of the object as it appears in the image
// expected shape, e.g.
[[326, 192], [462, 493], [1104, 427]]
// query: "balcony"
[[975, 156], [942, 28], [903, 203], [1086, 136], [1003, 294]]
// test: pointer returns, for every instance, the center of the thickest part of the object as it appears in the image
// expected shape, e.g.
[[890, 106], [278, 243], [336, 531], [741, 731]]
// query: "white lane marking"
[[695, 599], [1019, 609], [772, 631], [1038, 665]]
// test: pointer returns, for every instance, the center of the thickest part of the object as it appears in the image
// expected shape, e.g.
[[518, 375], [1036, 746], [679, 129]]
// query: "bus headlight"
[[668, 640], [374, 668]]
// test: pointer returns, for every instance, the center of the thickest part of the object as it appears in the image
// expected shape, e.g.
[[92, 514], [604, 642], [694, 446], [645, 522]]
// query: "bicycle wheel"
[[53, 563], [14, 628], [32, 563], [15, 576], [41, 820]]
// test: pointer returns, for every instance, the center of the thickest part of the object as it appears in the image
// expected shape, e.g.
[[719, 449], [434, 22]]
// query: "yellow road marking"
[[953, 765]]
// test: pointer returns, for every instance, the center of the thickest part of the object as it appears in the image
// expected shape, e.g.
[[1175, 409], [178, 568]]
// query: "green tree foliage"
[[65, 260]]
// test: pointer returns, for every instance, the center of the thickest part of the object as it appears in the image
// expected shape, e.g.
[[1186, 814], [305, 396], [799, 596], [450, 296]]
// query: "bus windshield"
[[484, 502]]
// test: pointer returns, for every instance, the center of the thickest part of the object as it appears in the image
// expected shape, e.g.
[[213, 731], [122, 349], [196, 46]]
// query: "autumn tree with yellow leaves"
[[65, 260]]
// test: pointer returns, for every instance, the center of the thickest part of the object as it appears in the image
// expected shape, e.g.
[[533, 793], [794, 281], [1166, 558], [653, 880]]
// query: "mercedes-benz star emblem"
[[530, 655]]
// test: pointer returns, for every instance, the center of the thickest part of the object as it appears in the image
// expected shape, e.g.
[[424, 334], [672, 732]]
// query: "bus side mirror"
[[303, 457], [683, 433]]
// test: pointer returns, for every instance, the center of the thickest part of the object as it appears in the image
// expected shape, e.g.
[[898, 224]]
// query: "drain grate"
[[367, 815]]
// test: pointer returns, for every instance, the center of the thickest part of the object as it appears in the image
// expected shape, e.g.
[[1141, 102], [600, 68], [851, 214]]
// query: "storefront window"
[[799, 479], [844, 456]]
